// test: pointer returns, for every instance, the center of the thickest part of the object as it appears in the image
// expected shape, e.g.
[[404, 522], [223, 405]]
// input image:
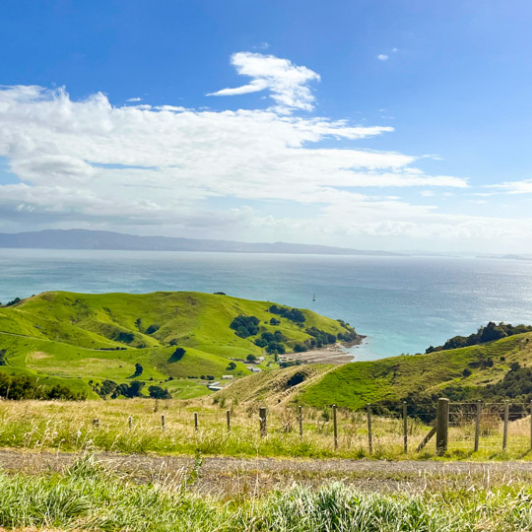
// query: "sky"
[[372, 124]]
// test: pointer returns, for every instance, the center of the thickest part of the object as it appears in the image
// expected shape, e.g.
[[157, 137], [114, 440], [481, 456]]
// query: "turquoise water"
[[403, 304]]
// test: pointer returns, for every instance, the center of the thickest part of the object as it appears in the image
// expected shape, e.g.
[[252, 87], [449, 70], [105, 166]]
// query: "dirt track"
[[232, 477]]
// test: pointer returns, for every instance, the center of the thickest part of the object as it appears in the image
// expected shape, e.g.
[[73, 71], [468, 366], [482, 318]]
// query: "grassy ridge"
[[359, 383], [76, 338]]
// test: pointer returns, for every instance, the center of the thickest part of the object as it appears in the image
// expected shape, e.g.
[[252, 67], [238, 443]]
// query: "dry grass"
[[71, 426]]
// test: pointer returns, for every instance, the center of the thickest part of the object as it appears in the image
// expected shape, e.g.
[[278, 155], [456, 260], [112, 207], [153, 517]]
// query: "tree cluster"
[[319, 338], [245, 326], [131, 390], [19, 387], [489, 333], [272, 342], [293, 314]]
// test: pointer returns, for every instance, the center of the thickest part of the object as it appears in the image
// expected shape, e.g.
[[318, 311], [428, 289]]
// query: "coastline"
[[331, 354]]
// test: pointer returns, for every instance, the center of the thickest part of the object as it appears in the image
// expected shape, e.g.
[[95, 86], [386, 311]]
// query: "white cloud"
[[217, 174], [515, 187], [383, 57], [137, 99], [287, 83]]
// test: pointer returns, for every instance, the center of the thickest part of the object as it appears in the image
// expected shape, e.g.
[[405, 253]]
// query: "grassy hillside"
[[78, 338], [274, 387], [393, 379]]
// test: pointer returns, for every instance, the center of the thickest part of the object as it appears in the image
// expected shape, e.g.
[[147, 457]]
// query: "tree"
[[177, 355], [138, 370], [133, 390], [106, 388], [231, 366], [251, 358], [156, 392], [152, 329], [3, 353]]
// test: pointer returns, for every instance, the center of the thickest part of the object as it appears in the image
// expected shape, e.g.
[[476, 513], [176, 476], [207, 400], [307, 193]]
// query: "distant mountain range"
[[107, 240]]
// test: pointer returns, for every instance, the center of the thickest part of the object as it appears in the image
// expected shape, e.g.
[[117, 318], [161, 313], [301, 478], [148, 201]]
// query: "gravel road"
[[243, 476]]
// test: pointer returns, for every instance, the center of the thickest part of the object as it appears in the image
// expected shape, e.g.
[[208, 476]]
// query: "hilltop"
[[471, 372], [179, 339]]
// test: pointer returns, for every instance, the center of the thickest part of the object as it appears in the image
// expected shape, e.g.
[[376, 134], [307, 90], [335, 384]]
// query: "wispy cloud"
[[286, 82], [514, 187], [383, 57]]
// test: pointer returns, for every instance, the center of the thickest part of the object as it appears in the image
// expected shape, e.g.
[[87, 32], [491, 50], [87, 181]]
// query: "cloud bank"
[[256, 174]]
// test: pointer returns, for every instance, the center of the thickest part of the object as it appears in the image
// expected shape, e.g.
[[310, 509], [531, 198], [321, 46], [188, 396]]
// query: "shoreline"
[[331, 354]]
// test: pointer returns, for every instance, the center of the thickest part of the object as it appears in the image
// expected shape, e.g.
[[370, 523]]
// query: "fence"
[[465, 427], [483, 430]]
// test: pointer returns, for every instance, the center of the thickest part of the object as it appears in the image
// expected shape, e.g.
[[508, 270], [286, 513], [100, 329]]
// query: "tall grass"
[[87, 498], [68, 426]]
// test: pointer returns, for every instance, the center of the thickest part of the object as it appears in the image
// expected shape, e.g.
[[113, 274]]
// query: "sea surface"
[[402, 304]]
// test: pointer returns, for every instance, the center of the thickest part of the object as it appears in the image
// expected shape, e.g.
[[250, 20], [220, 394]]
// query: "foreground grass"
[[85, 497], [69, 426]]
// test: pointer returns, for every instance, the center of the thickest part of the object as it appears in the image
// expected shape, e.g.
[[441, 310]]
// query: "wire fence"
[[459, 429]]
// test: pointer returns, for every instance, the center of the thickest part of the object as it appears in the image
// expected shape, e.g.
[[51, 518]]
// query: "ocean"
[[402, 304]]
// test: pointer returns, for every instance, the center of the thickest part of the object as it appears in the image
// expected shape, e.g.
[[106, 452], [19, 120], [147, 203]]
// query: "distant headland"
[[107, 240]]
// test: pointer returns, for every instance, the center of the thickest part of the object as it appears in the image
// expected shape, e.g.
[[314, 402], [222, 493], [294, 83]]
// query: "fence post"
[[531, 424], [196, 422], [442, 426], [477, 424], [405, 427], [370, 435], [335, 426], [228, 415], [505, 431], [263, 422], [130, 422], [163, 422], [300, 409]]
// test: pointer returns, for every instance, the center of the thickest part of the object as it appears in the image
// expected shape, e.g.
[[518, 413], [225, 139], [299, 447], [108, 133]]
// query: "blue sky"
[[439, 92]]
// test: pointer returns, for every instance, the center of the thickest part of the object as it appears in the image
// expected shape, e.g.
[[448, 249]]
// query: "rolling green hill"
[[467, 371], [76, 339]]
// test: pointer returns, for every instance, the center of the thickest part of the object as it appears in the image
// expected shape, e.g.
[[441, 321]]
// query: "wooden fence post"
[[163, 422], [263, 422], [300, 409], [335, 427], [531, 424], [196, 422], [370, 435], [442, 426], [505, 430], [405, 427], [477, 424], [130, 422], [228, 415]]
